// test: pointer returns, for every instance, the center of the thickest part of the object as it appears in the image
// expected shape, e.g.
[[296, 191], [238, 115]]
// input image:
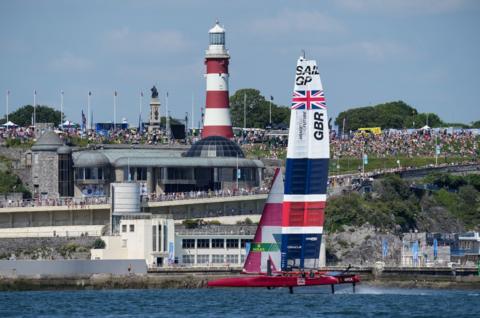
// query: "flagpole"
[[140, 119], [244, 110], [167, 119], [34, 111], [88, 110], [192, 119], [114, 110], [8, 95], [61, 108], [270, 123]]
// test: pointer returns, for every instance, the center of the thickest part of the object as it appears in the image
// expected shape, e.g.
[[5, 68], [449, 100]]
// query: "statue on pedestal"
[[154, 92]]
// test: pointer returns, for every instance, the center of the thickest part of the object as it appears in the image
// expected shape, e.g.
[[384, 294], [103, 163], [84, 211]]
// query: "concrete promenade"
[[441, 278], [98, 214]]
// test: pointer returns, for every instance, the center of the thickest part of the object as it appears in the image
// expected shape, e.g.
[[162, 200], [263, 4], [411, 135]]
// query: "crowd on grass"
[[273, 144]]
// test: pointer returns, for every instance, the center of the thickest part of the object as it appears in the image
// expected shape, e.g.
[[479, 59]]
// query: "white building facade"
[[142, 236], [213, 246]]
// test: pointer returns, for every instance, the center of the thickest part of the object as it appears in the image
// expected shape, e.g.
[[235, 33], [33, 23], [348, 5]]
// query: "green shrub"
[[99, 244]]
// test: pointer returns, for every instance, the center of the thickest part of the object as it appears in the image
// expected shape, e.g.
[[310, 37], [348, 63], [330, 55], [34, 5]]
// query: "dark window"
[[65, 175], [154, 237], [243, 242], [132, 228], [218, 243], [124, 228], [88, 173], [232, 243], [188, 243], [203, 243]]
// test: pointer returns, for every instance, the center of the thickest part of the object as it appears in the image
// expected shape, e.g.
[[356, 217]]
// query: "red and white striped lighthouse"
[[217, 120]]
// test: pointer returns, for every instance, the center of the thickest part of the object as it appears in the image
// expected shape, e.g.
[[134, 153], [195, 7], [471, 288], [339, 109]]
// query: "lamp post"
[[8, 95]]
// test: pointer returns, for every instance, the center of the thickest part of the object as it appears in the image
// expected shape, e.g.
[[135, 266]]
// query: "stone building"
[[52, 167]]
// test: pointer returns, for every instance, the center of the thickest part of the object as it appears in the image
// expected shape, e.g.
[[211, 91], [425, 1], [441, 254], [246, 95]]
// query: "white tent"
[[426, 127], [68, 124], [10, 124]]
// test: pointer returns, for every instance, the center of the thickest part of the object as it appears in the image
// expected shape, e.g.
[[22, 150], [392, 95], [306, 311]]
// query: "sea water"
[[242, 302]]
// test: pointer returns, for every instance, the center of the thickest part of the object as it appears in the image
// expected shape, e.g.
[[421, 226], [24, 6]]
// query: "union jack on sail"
[[314, 99]]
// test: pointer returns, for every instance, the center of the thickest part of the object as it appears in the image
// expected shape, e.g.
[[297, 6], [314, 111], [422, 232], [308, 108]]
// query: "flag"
[[313, 99], [435, 249], [415, 252], [141, 94], [271, 97], [84, 121], [89, 93], [384, 248], [8, 92]]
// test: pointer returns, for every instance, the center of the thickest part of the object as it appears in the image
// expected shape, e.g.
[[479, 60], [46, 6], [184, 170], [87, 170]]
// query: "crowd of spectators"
[[86, 201], [408, 144], [273, 144]]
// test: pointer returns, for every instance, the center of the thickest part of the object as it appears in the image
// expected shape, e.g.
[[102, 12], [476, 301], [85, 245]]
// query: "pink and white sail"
[[265, 245]]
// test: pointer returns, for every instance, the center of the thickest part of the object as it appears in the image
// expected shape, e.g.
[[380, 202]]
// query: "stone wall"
[[46, 248], [45, 173]]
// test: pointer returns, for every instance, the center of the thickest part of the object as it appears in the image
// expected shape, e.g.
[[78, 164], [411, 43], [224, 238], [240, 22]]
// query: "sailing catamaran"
[[285, 251]]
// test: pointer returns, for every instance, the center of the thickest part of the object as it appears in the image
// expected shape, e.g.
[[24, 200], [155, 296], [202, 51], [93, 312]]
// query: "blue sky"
[[369, 51]]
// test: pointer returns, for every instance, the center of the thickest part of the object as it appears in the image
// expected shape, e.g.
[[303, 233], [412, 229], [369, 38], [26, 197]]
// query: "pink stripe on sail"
[[271, 216]]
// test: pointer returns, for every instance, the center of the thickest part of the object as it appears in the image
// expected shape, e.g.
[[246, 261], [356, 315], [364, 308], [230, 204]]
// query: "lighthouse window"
[[217, 38]]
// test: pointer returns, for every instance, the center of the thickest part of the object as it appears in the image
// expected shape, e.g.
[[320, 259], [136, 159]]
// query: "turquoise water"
[[313, 302]]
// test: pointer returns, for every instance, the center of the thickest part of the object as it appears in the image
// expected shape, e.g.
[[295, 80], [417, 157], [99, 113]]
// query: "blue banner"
[[384, 248], [415, 252], [435, 249]]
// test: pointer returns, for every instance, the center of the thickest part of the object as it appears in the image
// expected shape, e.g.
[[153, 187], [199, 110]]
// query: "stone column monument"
[[154, 123]]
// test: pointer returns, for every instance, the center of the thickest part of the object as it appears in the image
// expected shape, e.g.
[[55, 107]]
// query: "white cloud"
[[158, 42], [377, 51], [290, 21], [70, 62], [404, 6]]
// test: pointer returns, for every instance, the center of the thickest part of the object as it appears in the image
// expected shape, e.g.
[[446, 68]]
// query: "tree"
[[397, 115], [10, 183], [257, 110], [44, 114], [475, 124]]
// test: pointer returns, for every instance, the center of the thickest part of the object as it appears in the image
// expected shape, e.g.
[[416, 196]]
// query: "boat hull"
[[282, 281]]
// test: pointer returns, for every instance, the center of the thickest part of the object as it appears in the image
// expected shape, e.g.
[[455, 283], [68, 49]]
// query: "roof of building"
[[64, 150], [49, 141], [212, 230], [217, 28], [90, 158], [154, 157], [215, 146]]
